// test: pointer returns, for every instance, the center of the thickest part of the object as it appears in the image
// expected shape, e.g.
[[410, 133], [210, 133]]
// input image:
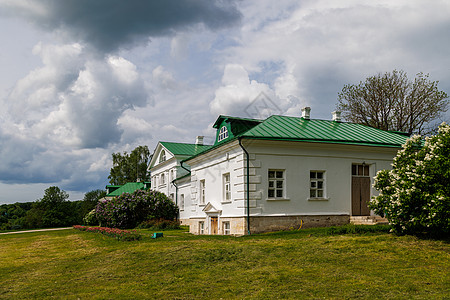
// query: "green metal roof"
[[221, 118], [300, 129], [313, 130], [184, 149], [129, 187]]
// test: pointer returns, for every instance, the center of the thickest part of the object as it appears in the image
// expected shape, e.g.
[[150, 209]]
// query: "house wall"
[[295, 208], [297, 159], [169, 169], [211, 168], [184, 188]]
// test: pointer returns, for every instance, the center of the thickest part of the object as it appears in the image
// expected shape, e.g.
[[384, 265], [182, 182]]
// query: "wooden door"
[[360, 196], [214, 225]]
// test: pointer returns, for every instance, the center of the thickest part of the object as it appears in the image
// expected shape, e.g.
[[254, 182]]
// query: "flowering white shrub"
[[415, 194]]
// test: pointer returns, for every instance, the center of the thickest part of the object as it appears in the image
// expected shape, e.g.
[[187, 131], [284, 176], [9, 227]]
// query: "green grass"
[[310, 263]]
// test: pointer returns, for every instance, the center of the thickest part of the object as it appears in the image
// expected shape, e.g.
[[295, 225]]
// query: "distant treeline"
[[53, 210]]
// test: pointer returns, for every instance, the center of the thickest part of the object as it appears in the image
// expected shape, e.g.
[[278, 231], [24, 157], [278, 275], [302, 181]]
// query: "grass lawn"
[[72, 264]]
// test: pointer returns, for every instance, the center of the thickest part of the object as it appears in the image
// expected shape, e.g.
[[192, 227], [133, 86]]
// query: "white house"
[[165, 166], [278, 173]]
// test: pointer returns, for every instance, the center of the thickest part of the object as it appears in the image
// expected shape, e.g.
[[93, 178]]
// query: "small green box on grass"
[[157, 235]]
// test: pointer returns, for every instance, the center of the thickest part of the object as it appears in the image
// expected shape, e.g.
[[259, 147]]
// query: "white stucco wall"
[[296, 160]]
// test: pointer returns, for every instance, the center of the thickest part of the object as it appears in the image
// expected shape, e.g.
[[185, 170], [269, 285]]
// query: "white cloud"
[[240, 96], [74, 100], [164, 79]]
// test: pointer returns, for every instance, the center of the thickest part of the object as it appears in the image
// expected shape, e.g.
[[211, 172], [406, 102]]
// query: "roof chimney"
[[199, 140], [306, 112], [336, 115]]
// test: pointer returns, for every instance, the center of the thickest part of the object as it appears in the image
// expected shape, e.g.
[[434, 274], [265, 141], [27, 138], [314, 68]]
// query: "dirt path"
[[36, 230]]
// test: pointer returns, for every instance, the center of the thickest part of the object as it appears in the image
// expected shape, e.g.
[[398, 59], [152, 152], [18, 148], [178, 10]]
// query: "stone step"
[[367, 220]]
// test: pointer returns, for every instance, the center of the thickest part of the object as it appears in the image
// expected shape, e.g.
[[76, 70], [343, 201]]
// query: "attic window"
[[162, 157], [223, 134]]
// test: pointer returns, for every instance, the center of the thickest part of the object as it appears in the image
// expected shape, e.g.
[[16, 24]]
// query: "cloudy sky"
[[81, 79]]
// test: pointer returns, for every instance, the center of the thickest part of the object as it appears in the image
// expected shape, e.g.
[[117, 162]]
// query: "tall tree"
[[90, 201], [54, 209], [130, 167], [391, 101]]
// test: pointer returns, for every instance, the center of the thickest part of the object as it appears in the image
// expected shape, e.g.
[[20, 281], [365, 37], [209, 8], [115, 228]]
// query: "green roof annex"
[[129, 187], [184, 149]]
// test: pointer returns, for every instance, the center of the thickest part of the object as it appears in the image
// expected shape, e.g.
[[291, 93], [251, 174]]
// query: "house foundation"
[[261, 224]]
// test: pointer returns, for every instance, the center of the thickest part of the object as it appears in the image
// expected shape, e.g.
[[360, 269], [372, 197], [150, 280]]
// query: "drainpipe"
[[176, 197], [248, 185], [181, 164]]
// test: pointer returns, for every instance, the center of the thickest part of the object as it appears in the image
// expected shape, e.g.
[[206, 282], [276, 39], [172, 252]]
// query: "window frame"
[[202, 200], [162, 156], [273, 184], [357, 169], [181, 204], [226, 186], [201, 227], [317, 184], [223, 133], [226, 231]]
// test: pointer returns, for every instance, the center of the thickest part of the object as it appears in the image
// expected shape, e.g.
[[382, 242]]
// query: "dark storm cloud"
[[112, 24]]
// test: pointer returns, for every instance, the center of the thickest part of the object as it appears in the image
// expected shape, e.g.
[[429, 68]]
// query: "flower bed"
[[119, 234]]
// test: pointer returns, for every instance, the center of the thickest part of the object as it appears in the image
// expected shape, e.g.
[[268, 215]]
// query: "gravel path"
[[35, 230]]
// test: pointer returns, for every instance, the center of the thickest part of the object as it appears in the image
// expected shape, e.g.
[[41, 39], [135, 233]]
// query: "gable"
[[170, 150], [230, 127], [158, 155]]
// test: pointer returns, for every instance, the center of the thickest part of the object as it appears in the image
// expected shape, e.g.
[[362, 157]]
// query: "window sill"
[[226, 201], [201, 204], [278, 199], [318, 199]]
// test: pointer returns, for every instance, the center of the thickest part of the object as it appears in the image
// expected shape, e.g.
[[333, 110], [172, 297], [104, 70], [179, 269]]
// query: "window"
[[360, 170], [202, 191], [162, 156], [172, 197], [171, 176], [223, 134], [181, 205], [163, 180], [154, 182], [226, 228], [201, 227], [317, 184], [276, 184], [226, 187]]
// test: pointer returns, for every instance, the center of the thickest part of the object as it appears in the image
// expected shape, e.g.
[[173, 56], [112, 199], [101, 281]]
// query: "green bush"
[[160, 224], [129, 210], [415, 195]]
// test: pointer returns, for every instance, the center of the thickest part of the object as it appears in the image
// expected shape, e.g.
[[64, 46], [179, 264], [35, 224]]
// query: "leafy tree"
[[391, 101], [415, 194], [130, 167], [52, 210], [90, 201], [12, 216]]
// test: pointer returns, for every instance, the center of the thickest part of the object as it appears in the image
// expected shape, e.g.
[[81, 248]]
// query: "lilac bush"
[[415, 195], [128, 210]]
